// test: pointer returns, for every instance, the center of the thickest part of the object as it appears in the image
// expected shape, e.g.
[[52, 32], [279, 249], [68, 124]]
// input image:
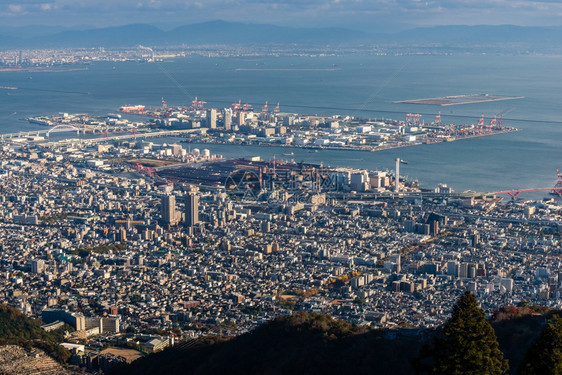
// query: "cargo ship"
[[40, 121], [132, 108]]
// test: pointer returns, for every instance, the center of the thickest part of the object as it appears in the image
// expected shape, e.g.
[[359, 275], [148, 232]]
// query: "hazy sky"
[[363, 14]]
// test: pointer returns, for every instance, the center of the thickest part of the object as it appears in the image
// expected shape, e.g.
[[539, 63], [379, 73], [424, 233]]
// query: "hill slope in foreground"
[[15, 360], [317, 344], [27, 349]]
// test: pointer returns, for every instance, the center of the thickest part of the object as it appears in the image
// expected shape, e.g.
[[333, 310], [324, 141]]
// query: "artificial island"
[[240, 124]]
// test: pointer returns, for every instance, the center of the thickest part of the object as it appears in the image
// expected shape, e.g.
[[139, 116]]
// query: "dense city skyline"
[[271, 184]]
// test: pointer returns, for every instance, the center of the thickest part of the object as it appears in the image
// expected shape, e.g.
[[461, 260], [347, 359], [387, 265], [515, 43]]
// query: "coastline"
[[359, 148], [38, 69]]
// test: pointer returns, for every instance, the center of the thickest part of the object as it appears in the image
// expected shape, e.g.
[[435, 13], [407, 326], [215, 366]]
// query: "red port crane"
[[559, 183], [197, 104], [438, 118], [264, 108], [504, 112], [481, 121], [413, 118], [236, 106]]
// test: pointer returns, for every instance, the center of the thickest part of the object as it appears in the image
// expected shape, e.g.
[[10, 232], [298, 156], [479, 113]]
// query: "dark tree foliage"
[[18, 329], [14, 325], [545, 355], [310, 344], [303, 344], [469, 345]]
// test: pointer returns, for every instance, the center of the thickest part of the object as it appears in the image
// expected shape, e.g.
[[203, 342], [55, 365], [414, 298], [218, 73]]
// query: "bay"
[[359, 85]]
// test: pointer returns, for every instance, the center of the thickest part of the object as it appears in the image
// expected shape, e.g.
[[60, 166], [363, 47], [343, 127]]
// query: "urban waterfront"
[[280, 187], [212, 219], [359, 86]]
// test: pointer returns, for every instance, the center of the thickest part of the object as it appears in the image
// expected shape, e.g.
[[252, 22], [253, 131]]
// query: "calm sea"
[[358, 85]]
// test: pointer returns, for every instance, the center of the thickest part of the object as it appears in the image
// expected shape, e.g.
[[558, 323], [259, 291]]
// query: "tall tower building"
[[240, 118], [192, 207], [122, 234], [397, 176], [212, 118], [227, 119], [37, 265], [168, 209]]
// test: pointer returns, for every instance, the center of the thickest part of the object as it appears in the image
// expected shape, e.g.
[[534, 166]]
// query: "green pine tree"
[[470, 345], [545, 355]]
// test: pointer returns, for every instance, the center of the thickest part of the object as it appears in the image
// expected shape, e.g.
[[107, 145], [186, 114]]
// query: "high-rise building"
[[192, 207], [212, 118], [227, 119], [463, 270], [37, 265], [453, 268], [475, 238], [108, 324], [407, 286], [240, 118], [76, 320], [122, 234], [434, 228], [265, 226], [168, 209]]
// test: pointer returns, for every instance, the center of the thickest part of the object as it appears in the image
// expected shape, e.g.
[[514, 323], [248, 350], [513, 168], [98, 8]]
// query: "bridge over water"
[[557, 189], [513, 193], [62, 128]]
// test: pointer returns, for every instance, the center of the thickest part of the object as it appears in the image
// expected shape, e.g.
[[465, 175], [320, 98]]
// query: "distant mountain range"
[[214, 32], [221, 32]]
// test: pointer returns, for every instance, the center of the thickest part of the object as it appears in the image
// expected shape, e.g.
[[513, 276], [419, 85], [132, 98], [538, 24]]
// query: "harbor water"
[[358, 85]]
